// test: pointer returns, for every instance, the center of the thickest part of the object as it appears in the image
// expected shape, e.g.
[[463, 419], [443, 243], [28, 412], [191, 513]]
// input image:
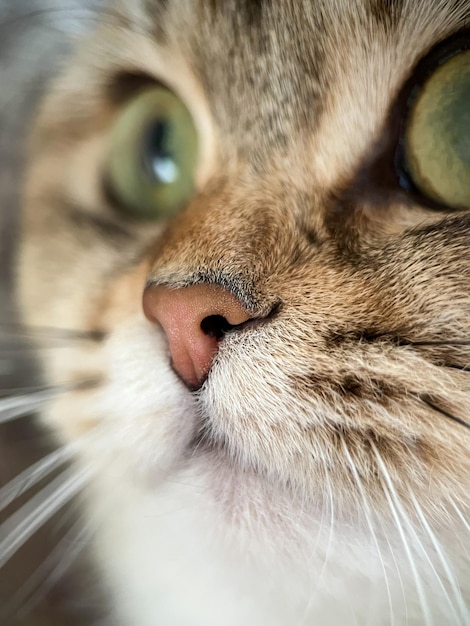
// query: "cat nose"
[[194, 319]]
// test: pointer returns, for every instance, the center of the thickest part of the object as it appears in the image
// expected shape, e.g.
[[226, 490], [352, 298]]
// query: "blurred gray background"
[[36, 37]]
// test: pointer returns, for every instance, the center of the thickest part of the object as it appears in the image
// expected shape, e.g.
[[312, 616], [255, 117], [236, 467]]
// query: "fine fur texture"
[[321, 474]]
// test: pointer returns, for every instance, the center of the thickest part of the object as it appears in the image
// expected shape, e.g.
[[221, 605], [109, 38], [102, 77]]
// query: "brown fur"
[[371, 287]]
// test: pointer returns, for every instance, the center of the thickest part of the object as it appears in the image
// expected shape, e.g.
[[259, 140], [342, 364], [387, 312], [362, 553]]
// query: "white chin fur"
[[148, 415], [172, 552]]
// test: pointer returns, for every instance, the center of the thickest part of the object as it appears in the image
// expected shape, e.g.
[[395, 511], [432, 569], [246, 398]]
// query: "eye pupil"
[[159, 155]]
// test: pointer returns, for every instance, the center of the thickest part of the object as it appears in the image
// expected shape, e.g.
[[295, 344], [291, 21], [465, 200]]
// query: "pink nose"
[[194, 319]]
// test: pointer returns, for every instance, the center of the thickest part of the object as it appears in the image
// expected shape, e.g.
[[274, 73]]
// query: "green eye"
[[437, 141], [153, 155]]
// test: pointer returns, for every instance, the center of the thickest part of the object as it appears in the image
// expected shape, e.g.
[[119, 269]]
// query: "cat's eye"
[[153, 155], [437, 136]]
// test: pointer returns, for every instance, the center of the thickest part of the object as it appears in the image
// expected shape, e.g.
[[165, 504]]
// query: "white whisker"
[[33, 474], [22, 525], [394, 507], [398, 571], [313, 552], [330, 536], [418, 543], [443, 559], [460, 515], [15, 392], [15, 406], [18, 406], [368, 516], [53, 568]]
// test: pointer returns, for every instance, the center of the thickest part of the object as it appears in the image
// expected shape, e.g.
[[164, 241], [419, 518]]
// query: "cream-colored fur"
[[312, 479]]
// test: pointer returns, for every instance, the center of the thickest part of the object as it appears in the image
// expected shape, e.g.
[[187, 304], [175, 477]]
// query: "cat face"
[[299, 327]]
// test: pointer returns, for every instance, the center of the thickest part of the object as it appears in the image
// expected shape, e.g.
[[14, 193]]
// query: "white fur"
[[172, 555]]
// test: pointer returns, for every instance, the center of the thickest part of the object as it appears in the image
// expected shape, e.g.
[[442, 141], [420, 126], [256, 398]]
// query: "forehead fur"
[[299, 62]]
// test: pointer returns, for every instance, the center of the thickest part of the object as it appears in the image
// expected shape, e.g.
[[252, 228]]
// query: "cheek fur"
[[148, 416], [320, 474]]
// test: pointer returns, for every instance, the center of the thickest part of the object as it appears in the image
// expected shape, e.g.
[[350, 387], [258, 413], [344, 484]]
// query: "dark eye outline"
[[454, 45]]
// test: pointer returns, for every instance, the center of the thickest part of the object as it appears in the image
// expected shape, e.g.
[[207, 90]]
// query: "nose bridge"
[[220, 260], [242, 231]]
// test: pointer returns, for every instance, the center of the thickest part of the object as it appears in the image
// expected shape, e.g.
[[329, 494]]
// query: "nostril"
[[215, 326], [194, 319]]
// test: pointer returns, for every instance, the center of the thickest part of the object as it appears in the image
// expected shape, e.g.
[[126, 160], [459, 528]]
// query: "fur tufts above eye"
[[153, 155], [436, 138]]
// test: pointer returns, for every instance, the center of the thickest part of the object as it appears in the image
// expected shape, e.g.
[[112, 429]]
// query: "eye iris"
[[438, 134], [153, 155]]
